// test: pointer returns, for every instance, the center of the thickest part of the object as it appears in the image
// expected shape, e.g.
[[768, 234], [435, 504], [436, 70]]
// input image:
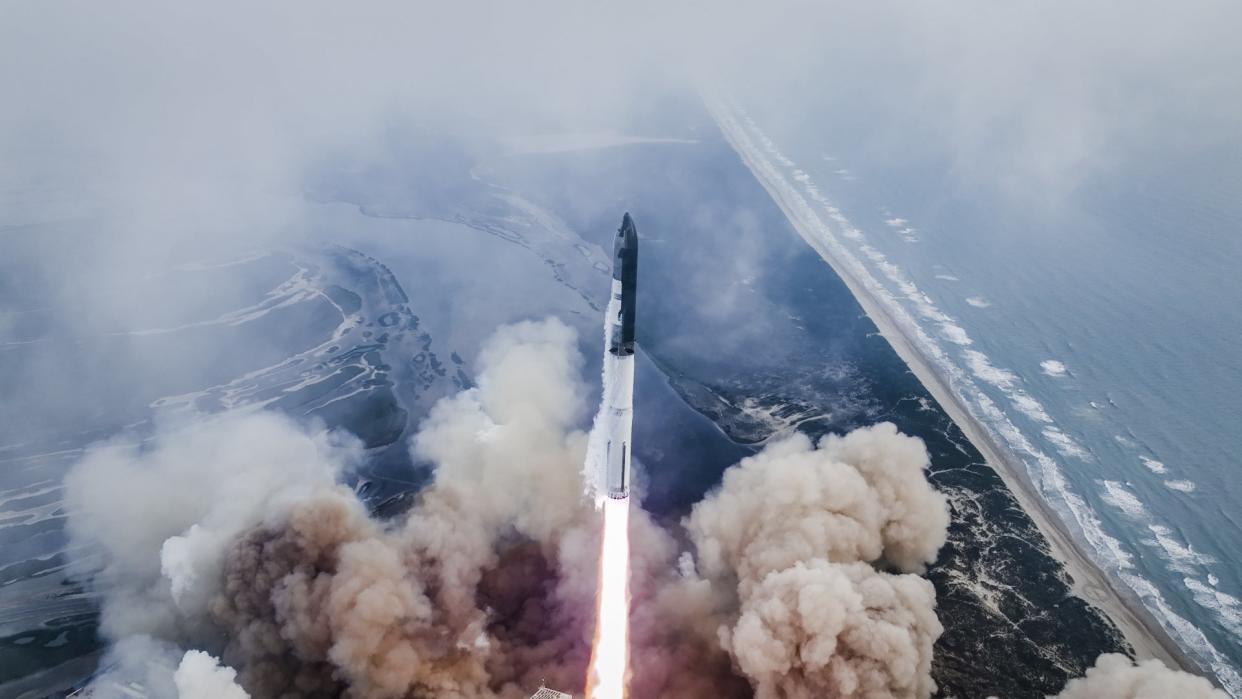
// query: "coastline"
[[1139, 627]]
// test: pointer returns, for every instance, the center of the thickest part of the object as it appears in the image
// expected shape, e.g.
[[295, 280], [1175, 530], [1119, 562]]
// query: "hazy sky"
[[175, 106], [152, 131]]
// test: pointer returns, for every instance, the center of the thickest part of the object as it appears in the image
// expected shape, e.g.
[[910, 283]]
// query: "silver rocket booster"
[[619, 360]]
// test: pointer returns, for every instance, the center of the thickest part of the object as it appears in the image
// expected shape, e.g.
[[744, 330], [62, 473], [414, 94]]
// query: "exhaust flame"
[[610, 655]]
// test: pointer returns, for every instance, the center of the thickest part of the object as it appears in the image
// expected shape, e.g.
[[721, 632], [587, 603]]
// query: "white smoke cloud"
[[157, 517], [861, 497], [821, 629], [159, 670], [200, 676], [798, 527], [140, 660], [1117, 677], [504, 443], [323, 594]]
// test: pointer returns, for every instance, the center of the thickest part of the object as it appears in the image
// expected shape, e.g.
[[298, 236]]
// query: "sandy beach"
[[1140, 629]]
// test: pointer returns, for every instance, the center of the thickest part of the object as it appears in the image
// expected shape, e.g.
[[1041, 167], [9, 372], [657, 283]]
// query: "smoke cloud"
[[231, 537], [201, 676], [484, 589], [162, 671], [137, 659], [1117, 677], [158, 514], [796, 529], [822, 629], [861, 497]]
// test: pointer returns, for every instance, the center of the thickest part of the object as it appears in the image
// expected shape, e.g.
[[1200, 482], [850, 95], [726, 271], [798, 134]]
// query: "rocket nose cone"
[[625, 248], [627, 234]]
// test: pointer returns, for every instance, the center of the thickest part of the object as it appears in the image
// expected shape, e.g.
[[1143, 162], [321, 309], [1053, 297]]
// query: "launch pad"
[[545, 693]]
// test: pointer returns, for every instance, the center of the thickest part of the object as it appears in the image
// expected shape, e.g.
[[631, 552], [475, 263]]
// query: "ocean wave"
[[907, 232], [1182, 557], [1227, 607], [1030, 407], [1183, 486], [1052, 367], [1120, 497], [982, 368], [1065, 444], [1156, 467], [955, 333], [1185, 634]]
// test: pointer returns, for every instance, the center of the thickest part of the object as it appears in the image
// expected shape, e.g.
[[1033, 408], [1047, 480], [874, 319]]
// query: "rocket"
[[619, 360]]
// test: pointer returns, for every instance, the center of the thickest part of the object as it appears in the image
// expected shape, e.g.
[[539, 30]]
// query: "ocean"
[[1095, 337]]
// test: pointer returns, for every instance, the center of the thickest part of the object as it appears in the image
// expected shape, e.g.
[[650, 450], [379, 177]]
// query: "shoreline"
[[1135, 622], [1137, 625]]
